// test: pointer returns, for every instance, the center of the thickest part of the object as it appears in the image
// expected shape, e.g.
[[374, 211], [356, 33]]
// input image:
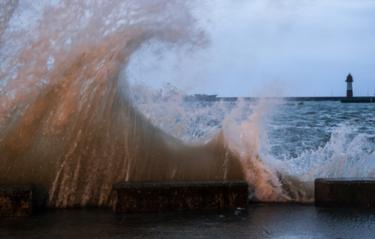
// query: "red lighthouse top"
[[349, 78]]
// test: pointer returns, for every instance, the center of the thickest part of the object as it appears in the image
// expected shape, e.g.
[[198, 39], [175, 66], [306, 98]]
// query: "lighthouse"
[[349, 86]]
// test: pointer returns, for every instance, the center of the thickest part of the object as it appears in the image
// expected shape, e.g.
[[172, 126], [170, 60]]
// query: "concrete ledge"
[[16, 200], [352, 192], [166, 196], [359, 100]]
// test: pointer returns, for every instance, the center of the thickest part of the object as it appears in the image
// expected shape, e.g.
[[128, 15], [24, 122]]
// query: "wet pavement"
[[257, 221]]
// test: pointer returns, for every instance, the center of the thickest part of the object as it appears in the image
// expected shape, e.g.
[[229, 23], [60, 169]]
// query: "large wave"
[[71, 124], [66, 123]]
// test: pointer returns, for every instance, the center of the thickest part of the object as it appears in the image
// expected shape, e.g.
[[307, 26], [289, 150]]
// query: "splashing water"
[[67, 124], [70, 122]]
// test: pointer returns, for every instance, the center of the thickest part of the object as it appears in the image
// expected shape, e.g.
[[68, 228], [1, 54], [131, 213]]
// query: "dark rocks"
[[349, 192], [16, 200], [170, 196]]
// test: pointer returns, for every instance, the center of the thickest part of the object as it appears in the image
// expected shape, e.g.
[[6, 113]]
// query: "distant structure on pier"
[[349, 86], [201, 97]]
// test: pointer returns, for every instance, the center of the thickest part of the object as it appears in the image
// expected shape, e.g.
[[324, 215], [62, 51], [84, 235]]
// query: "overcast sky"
[[268, 47]]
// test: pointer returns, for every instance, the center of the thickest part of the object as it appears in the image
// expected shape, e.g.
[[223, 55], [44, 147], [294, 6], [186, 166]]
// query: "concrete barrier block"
[[16, 200], [349, 192], [134, 197]]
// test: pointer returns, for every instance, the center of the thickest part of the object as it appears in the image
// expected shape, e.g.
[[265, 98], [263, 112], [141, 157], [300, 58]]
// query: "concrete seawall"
[[167, 196], [345, 192], [139, 197], [16, 200]]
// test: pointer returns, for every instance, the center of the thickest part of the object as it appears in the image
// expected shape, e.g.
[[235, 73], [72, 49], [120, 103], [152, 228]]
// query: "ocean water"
[[290, 129], [323, 139], [303, 139]]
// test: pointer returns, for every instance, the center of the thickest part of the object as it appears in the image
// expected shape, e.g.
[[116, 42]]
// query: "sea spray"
[[66, 124], [239, 124], [245, 138], [347, 153]]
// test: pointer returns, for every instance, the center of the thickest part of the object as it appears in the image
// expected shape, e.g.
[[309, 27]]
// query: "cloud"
[[307, 45]]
